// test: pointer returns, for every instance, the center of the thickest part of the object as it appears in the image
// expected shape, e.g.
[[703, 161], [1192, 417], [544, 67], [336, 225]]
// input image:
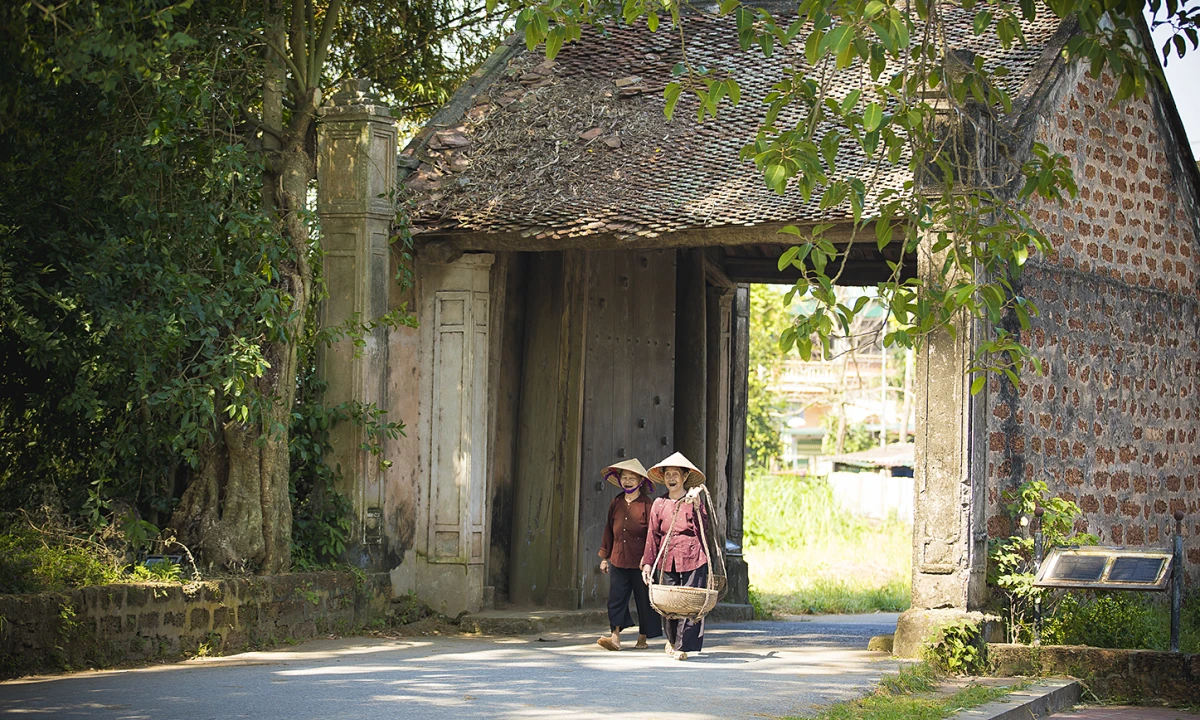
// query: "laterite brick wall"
[[1112, 425], [114, 624]]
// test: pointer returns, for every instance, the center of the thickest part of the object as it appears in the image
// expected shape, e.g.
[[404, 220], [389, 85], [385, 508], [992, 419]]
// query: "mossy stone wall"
[[114, 624]]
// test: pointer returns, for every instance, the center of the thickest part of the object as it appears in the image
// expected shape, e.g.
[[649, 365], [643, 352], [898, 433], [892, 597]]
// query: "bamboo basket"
[[682, 603]]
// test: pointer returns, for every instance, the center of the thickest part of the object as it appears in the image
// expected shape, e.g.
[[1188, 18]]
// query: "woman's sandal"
[[681, 656], [642, 645], [607, 644]]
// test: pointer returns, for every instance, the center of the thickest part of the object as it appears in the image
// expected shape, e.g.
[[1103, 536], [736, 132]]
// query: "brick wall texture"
[[1112, 423], [114, 624]]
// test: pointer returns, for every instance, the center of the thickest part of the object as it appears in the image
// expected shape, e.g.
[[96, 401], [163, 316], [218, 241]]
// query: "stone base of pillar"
[[738, 583], [917, 626]]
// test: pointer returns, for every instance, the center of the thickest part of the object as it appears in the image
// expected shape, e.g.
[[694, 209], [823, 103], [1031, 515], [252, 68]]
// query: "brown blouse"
[[625, 531], [685, 552]]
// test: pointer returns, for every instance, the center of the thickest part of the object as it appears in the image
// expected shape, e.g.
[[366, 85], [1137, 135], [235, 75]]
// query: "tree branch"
[[290, 65], [298, 43], [321, 50]]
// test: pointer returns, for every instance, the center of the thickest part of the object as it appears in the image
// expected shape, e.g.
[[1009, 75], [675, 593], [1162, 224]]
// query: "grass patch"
[[807, 555], [905, 697]]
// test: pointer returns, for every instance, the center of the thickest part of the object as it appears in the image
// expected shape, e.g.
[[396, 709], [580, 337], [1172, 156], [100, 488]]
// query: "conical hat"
[[612, 473], [694, 476]]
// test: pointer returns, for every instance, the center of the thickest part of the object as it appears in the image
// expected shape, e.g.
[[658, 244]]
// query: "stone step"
[[1041, 699]]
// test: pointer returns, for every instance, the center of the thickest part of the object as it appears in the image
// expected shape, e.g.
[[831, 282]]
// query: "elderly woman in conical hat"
[[621, 553], [684, 560]]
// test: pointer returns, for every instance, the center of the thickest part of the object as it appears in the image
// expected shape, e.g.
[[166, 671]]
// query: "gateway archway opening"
[[829, 465]]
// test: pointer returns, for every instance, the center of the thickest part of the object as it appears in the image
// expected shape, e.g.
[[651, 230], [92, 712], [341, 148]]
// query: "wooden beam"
[[766, 270], [715, 275], [728, 236]]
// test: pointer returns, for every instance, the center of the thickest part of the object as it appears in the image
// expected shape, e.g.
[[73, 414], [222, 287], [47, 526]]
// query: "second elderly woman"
[[684, 560], [621, 552]]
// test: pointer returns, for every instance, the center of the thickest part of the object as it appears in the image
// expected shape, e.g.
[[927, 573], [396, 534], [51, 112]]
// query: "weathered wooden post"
[[356, 166], [739, 576]]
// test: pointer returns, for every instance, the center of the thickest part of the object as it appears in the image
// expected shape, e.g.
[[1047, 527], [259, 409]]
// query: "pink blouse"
[[685, 551]]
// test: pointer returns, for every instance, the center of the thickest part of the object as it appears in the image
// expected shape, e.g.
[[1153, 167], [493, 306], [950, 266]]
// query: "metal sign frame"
[[1047, 572]]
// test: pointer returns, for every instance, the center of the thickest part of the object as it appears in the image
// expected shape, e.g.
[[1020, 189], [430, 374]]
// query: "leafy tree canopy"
[[157, 266]]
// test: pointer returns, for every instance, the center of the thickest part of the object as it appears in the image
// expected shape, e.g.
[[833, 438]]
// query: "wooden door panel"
[[629, 380]]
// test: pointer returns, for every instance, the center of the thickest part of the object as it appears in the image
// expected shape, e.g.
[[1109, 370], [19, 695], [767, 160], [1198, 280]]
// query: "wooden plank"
[[739, 396], [508, 321], [717, 342], [564, 585], [691, 414], [604, 309], [662, 276], [537, 435]]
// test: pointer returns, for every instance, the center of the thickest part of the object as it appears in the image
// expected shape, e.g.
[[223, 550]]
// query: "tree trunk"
[[237, 514]]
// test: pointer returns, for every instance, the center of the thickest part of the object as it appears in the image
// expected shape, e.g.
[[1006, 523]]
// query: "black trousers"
[[624, 582], [686, 635]]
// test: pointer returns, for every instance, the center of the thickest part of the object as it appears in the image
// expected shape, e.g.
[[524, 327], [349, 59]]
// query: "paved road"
[[749, 670]]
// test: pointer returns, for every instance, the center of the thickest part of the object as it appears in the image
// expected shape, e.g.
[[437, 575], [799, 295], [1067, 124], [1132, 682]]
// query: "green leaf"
[[652, 21], [671, 94], [982, 20], [850, 101], [872, 117], [785, 260], [776, 178], [732, 89], [554, 41]]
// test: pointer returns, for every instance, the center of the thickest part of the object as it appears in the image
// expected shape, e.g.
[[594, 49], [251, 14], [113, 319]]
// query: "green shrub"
[[761, 612], [1128, 620], [1010, 572], [30, 563], [1107, 620], [958, 649]]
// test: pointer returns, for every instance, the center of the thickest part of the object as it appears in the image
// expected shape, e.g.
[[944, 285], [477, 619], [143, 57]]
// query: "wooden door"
[[629, 386]]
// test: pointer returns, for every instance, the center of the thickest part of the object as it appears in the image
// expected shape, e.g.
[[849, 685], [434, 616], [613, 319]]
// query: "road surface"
[[748, 670]]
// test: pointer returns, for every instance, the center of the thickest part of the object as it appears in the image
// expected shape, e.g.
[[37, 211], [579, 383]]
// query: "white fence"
[[874, 495]]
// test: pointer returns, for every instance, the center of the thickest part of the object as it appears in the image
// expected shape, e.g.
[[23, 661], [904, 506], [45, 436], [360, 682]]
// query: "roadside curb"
[[1039, 700]]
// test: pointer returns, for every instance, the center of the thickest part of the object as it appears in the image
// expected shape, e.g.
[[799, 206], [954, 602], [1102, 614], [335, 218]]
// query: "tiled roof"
[[580, 146]]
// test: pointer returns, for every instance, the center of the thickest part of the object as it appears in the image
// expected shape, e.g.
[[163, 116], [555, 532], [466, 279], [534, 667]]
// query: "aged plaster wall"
[[403, 383], [111, 624], [1112, 424]]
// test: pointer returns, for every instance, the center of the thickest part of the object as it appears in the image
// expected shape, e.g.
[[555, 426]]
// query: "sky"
[[1184, 78]]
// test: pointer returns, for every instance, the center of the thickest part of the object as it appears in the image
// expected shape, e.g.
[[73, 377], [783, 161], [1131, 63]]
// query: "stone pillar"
[[691, 358], [356, 166], [739, 364], [949, 540]]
